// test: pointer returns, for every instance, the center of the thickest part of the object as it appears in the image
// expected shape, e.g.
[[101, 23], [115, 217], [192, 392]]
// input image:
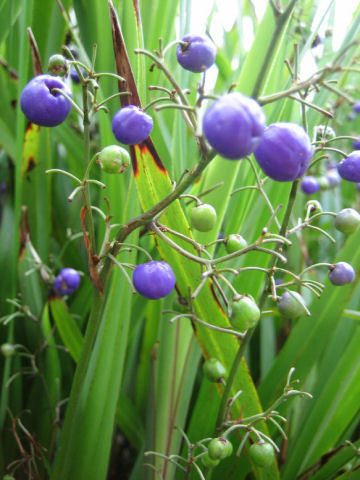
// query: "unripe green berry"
[[347, 220], [208, 461], [7, 349], [291, 305], [219, 448], [58, 65], [214, 370], [245, 313], [114, 159], [203, 217], [235, 242], [262, 454]]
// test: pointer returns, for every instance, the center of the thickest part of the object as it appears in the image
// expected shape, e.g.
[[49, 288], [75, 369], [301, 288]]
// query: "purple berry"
[[356, 144], [43, 106], [67, 281], [349, 168], [341, 274], [196, 54], [284, 152], [131, 125], [333, 177], [74, 75], [154, 279], [234, 125], [356, 107], [310, 185]]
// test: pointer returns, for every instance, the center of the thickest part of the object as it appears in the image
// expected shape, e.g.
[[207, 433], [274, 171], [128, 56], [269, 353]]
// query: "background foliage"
[[144, 374]]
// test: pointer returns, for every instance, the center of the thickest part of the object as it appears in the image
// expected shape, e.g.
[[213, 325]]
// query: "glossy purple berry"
[[196, 53], [234, 125], [131, 125], [341, 274], [349, 168], [310, 185], [154, 279], [67, 281], [284, 152], [356, 144], [41, 105], [356, 107]]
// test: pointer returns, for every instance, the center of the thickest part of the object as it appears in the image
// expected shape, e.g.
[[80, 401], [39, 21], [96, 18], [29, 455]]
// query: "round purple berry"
[[43, 106], [154, 279], [356, 144], [356, 107], [341, 273], [349, 168], [234, 125], [67, 281], [131, 125], [333, 177], [284, 152], [74, 75], [310, 185], [196, 53]]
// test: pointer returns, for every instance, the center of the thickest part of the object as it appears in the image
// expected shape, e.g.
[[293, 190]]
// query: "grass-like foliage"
[[178, 241]]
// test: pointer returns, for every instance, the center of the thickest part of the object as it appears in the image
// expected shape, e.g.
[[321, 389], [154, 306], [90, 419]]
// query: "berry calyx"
[[262, 454], [349, 168], [245, 313], [114, 159], [235, 242], [284, 152], [310, 184], [214, 370], [233, 125], [43, 106], [203, 217], [219, 448], [131, 125], [341, 273], [58, 65], [67, 281], [347, 220], [291, 305], [196, 53], [154, 279]]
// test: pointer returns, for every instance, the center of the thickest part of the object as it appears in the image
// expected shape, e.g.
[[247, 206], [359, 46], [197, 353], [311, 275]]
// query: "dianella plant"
[[179, 240]]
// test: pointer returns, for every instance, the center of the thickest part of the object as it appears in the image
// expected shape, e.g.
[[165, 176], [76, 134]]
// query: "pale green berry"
[[114, 159], [262, 454], [58, 65], [203, 217], [214, 370], [291, 305], [208, 461], [7, 349], [235, 242], [347, 220], [219, 448], [245, 313]]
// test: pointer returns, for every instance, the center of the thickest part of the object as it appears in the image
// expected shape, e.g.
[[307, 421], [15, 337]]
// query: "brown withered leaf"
[[37, 67]]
